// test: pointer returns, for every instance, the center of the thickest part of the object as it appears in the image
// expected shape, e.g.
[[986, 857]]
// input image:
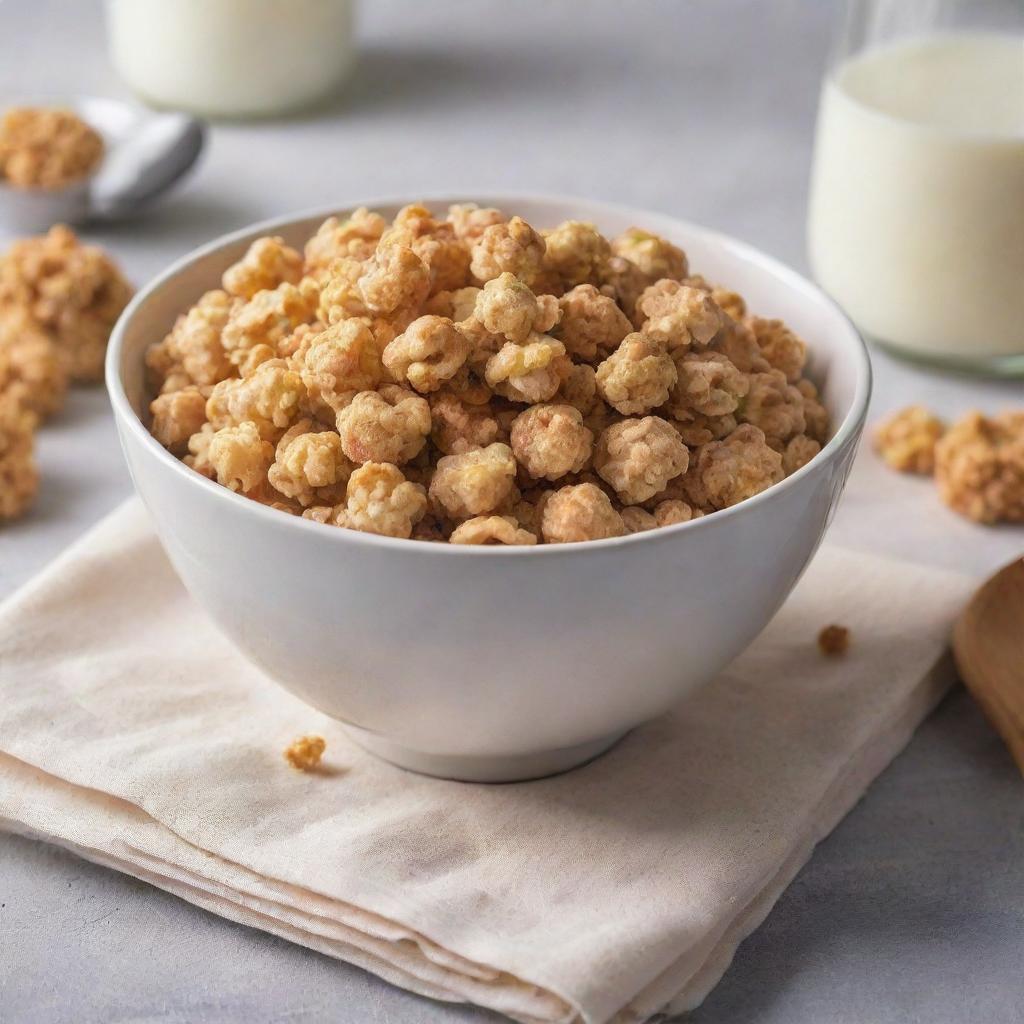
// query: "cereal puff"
[[474, 482], [638, 376], [580, 512], [550, 441], [906, 440], [491, 530], [31, 371], [638, 457]]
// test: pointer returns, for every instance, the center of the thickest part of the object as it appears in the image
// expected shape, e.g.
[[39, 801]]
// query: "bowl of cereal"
[[491, 483]]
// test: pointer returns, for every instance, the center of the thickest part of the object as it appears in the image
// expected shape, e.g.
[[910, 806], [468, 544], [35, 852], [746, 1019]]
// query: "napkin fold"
[[132, 733]]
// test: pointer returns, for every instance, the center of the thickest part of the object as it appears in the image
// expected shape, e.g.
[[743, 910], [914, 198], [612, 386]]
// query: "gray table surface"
[[912, 910]]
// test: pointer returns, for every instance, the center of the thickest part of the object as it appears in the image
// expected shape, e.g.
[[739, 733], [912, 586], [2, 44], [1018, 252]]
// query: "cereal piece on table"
[[470, 221], [240, 457], [576, 252], [834, 641], [491, 530], [531, 372], [638, 457], [380, 500], [305, 753], [580, 512], [774, 406], [592, 325], [708, 385], [268, 318], [355, 237], [906, 440], [430, 351], [638, 376], [979, 467], [655, 256], [31, 371], [458, 426], [73, 292], [177, 416], [512, 247], [679, 316], [47, 148], [507, 307], [474, 482], [780, 346], [727, 472], [19, 478], [550, 441], [390, 425], [340, 361], [267, 263], [270, 399], [308, 461], [798, 452]]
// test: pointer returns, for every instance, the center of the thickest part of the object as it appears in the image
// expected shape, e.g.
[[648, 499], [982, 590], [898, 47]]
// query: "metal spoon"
[[146, 154]]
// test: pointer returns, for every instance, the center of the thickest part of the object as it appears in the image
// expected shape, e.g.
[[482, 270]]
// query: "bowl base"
[[483, 768]]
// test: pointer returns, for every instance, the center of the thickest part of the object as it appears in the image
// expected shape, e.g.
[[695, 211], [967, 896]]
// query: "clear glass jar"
[[232, 58], [916, 219]]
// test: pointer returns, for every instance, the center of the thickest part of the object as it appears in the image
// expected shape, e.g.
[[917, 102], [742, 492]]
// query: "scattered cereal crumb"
[[906, 440], [834, 641], [305, 752]]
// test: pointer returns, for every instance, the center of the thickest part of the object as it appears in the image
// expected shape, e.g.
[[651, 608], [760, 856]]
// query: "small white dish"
[[488, 663]]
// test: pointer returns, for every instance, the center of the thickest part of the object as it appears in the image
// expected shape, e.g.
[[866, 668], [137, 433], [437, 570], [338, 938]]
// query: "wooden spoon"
[[988, 643]]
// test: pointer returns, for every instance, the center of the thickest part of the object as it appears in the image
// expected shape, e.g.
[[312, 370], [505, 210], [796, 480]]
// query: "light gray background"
[[912, 910]]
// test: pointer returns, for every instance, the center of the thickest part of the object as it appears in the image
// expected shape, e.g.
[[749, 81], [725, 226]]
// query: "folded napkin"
[[132, 733]]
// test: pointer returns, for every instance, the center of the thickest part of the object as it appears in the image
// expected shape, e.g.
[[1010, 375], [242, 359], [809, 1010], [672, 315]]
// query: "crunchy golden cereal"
[[31, 371], [906, 440], [19, 478], [979, 467], [475, 380], [47, 148], [72, 292], [834, 641], [493, 530], [305, 753]]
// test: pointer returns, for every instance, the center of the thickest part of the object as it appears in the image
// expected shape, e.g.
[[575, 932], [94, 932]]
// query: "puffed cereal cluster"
[[978, 462], [476, 380], [46, 148]]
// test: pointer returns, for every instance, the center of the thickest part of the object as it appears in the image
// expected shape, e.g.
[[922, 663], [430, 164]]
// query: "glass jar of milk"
[[916, 220], [232, 58]]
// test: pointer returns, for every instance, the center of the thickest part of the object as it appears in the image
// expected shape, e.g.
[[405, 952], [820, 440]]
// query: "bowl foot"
[[483, 768]]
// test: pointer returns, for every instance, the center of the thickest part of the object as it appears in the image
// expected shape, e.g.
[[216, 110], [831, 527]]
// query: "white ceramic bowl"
[[489, 663]]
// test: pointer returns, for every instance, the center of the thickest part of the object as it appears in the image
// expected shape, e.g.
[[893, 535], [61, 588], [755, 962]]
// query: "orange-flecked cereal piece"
[[906, 440], [267, 263], [73, 292], [239, 456], [474, 482], [678, 315], [834, 641], [380, 500], [592, 325], [708, 385], [505, 306], [458, 426], [638, 376], [638, 457], [307, 461], [304, 754], [576, 252], [31, 371], [269, 399], [512, 247], [491, 530], [430, 351], [774, 406], [19, 478], [355, 237], [780, 346], [394, 278], [798, 452], [550, 441], [979, 467], [390, 425], [727, 472], [655, 256], [268, 318], [47, 148], [531, 372], [340, 361], [177, 416], [470, 221], [580, 512]]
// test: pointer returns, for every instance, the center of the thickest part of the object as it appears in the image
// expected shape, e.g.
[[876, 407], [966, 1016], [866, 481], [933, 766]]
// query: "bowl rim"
[[128, 420]]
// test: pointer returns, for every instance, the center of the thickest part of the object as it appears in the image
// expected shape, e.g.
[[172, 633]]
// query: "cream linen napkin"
[[132, 733]]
